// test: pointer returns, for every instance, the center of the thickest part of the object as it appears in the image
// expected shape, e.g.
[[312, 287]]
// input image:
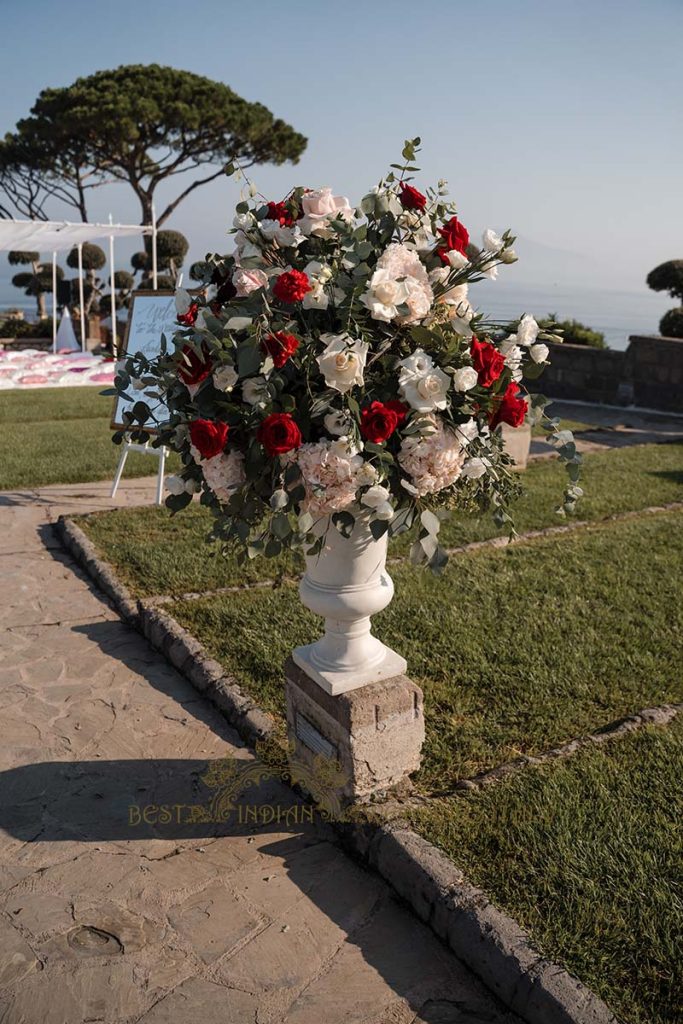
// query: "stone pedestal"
[[517, 443], [374, 732]]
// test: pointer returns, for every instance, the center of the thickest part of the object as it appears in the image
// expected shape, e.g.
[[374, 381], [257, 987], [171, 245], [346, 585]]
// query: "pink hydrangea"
[[433, 462], [224, 473], [401, 262], [331, 475]]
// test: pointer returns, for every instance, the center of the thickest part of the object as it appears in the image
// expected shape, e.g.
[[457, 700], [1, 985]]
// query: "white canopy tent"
[[55, 236]]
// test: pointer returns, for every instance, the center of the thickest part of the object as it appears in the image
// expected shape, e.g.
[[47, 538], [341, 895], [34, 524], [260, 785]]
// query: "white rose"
[[337, 423], [225, 378], [467, 431], [377, 498], [474, 468], [320, 206], [539, 353], [384, 295], [528, 329], [248, 281], [465, 378], [255, 391], [423, 385], [286, 237], [343, 361], [316, 298]]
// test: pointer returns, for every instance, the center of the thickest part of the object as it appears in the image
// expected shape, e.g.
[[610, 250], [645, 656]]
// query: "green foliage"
[[123, 280], [17, 258], [573, 332], [139, 124], [171, 245], [671, 324], [94, 257], [15, 328], [667, 277]]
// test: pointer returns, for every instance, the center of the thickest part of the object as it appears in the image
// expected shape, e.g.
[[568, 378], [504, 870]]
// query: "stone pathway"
[[112, 910], [614, 428]]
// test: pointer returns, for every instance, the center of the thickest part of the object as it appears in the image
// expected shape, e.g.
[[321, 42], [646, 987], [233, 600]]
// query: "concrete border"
[[489, 942]]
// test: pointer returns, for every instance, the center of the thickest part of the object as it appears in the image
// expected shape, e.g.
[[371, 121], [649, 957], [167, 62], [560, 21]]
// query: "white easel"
[[144, 449]]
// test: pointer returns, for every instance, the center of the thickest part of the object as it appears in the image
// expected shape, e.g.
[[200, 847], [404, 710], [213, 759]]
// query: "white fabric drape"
[[52, 235]]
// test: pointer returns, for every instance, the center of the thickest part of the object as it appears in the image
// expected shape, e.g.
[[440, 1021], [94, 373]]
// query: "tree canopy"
[[667, 277], [140, 124]]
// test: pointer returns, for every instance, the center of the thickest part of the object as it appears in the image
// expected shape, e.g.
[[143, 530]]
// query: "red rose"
[[280, 347], [511, 408], [487, 361], [399, 408], [279, 433], [291, 286], [411, 199], [455, 236], [195, 366], [209, 437], [188, 319], [378, 422], [280, 213]]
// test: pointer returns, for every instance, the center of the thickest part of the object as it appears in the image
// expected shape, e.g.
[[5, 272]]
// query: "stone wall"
[[648, 374]]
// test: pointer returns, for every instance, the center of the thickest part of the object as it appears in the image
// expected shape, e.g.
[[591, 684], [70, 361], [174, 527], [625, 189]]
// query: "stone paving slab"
[[109, 916]]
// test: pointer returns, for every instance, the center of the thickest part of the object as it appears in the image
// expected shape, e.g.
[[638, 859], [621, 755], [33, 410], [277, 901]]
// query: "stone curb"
[[489, 942]]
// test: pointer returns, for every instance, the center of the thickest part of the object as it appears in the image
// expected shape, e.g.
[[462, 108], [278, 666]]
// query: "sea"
[[617, 314]]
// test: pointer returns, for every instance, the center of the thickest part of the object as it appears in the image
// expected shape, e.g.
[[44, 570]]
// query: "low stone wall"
[[648, 374]]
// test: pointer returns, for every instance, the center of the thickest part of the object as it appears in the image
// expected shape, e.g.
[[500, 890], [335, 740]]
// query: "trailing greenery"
[[139, 541], [573, 332], [586, 854]]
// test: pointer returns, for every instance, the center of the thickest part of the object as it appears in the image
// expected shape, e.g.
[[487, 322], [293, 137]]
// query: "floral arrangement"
[[333, 366]]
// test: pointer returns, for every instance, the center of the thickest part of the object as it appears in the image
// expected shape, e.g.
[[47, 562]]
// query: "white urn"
[[346, 583]]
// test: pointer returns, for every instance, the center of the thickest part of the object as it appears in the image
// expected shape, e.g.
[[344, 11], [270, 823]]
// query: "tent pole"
[[113, 295], [80, 294], [54, 302], [154, 248]]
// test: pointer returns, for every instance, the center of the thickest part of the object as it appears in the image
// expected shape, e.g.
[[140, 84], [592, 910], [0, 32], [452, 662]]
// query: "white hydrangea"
[[433, 462]]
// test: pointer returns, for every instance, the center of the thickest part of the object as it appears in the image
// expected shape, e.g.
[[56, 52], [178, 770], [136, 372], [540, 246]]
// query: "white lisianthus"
[[491, 241], [245, 247], [377, 498], [343, 362], [318, 274], [457, 260], [243, 221], [367, 474], [528, 329], [466, 432], [337, 423], [225, 378], [248, 281], [238, 323], [465, 378], [255, 391], [513, 358], [439, 275], [183, 301], [423, 385], [475, 468], [320, 207], [174, 485], [539, 353]]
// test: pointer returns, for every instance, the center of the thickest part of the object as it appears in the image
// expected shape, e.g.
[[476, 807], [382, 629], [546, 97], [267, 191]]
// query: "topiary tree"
[[668, 277], [141, 124], [172, 247], [671, 324], [93, 259], [17, 258]]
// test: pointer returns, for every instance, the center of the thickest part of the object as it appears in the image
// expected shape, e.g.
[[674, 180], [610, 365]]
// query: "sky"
[[560, 119]]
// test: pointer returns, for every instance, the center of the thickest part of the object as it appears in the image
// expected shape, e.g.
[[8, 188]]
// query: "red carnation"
[[280, 347], [510, 409], [487, 361], [399, 408], [187, 319], [280, 213], [455, 236], [195, 366], [291, 286], [279, 433], [209, 437], [378, 422], [410, 198]]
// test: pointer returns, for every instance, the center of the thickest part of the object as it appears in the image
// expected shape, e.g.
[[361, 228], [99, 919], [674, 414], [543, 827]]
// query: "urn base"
[[385, 664]]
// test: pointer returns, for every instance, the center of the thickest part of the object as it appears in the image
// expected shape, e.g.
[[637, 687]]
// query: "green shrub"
[[671, 324], [15, 328], [573, 332]]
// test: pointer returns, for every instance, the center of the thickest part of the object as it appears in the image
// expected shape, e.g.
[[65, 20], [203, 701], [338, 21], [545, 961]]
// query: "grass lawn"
[[586, 854], [516, 649], [137, 541], [60, 436]]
